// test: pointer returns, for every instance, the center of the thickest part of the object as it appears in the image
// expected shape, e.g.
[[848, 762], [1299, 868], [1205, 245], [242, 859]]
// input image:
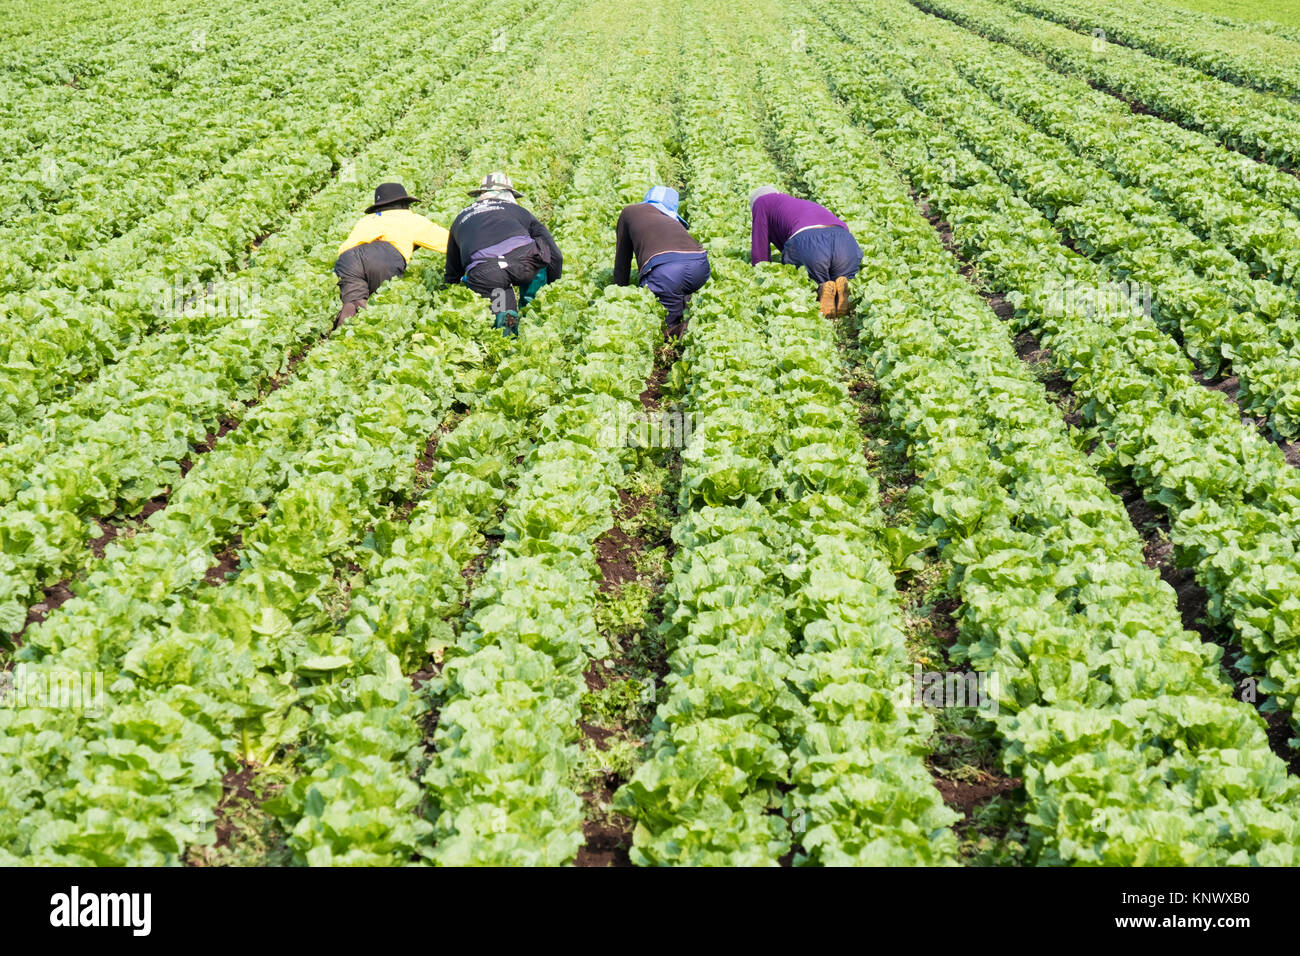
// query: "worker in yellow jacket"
[[380, 246]]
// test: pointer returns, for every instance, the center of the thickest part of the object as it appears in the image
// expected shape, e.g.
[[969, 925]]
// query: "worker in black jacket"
[[670, 263], [496, 245]]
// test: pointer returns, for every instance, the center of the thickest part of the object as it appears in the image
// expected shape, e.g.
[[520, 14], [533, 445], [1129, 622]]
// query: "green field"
[[1002, 568], [1283, 12]]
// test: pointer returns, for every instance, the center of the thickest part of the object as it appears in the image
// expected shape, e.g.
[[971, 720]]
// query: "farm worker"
[[495, 245], [380, 246], [670, 263], [810, 236]]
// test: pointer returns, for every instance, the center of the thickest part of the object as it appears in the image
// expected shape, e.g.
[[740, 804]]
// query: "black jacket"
[[489, 221]]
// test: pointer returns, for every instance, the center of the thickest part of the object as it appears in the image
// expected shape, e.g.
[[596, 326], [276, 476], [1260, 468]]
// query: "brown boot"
[[826, 298], [842, 301]]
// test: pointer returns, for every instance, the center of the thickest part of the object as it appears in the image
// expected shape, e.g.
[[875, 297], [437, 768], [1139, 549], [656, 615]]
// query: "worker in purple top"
[[810, 236], [670, 263]]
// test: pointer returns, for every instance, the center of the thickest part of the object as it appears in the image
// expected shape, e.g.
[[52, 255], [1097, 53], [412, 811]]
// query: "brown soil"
[[615, 555], [227, 562], [1153, 527], [944, 229], [653, 393], [1227, 386], [226, 425], [425, 464], [1193, 607], [1280, 732], [968, 796], [1029, 349], [423, 676], [474, 569], [1001, 307], [606, 846], [234, 786], [153, 506], [943, 621], [608, 836], [53, 598], [108, 532], [596, 734]]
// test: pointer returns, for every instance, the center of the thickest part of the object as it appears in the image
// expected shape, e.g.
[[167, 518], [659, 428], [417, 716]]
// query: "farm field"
[[1263, 12], [1001, 569]]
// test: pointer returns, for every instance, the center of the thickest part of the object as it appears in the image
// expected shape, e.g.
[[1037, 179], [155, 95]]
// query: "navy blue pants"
[[673, 276], [827, 253]]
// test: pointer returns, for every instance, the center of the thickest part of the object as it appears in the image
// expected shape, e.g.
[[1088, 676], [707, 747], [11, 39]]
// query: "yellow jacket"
[[403, 228]]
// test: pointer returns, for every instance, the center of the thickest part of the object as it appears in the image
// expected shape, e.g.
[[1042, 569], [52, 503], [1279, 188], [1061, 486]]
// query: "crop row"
[[1221, 315], [1233, 500], [231, 667], [1246, 57], [121, 441], [138, 782], [91, 311], [78, 149], [115, 195], [1261, 126], [402, 614], [783, 625], [411, 603], [1204, 184], [1096, 677]]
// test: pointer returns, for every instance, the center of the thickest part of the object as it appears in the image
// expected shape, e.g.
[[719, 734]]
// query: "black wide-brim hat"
[[388, 194]]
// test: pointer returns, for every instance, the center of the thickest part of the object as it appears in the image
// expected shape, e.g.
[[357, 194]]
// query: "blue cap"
[[665, 199]]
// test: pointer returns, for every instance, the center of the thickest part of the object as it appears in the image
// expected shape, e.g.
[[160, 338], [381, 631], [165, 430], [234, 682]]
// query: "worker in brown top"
[[670, 263]]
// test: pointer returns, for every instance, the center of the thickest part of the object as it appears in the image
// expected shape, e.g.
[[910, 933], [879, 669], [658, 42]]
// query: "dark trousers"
[[495, 279], [673, 276], [364, 268], [827, 253]]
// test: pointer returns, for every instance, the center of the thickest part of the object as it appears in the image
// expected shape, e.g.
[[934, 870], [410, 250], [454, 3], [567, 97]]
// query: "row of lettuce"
[[511, 653], [1130, 745], [1260, 125], [1249, 208], [1225, 314], [201, 677], [90, 161], [780, 730], [78, 311], [129, 435], [1233, 500], [1244, 55]]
